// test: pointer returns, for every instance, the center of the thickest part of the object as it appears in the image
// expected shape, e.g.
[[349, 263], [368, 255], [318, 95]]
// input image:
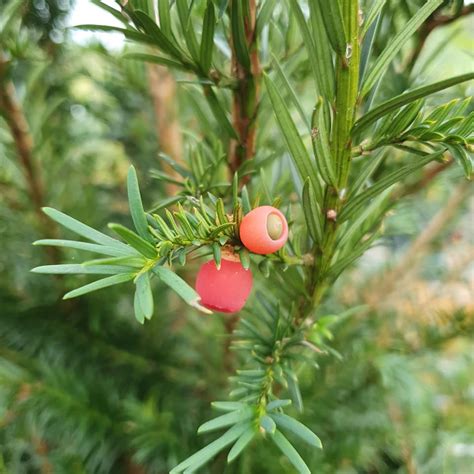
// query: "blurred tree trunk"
[[163, 93]]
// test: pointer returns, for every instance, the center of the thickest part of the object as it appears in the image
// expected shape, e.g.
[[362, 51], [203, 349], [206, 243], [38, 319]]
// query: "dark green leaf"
[[334, 24], [136, 206], [290, 91], [320, 140], [293, 140], [219, 113], [374, 11], [308, 42], [462, 157], [405, 98], [188, 30], [154, 31], [325, 67], [207, 39], [312, 213], [238, 34]]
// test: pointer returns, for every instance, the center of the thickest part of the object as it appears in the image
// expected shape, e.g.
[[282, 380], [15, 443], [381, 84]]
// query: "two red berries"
[[263, 230]]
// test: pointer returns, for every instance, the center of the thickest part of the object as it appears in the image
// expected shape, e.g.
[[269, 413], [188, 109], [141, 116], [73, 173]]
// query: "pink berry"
[[264, 230], [225, 290]]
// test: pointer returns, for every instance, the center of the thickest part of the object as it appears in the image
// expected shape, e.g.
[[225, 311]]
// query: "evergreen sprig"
[[343, 209]]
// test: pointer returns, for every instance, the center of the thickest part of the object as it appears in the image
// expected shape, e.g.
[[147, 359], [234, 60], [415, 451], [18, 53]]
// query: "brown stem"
[[15, 118], [245, 98]]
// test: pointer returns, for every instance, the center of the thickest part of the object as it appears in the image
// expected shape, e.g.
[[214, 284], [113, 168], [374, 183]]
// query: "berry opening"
[[274, 226]]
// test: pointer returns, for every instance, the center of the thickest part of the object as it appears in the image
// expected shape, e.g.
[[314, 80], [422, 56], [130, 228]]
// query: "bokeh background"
[[85, 389]]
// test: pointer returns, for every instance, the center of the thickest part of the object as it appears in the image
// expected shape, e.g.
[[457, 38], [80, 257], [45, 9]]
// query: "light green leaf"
[[139, 315], [205, 454], [395, 45], [136, 206], [267, 424], [165, 18], [99, 284], [405, 98], [275, 404], [228, 406], [290, 452], [241, 444], [178, 285], [226, 420], [297, 428], [294, 389], [144, 247], [74, 244], [144, 294], [83, 229], [73, 268], [130, 261], [293, 140]]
